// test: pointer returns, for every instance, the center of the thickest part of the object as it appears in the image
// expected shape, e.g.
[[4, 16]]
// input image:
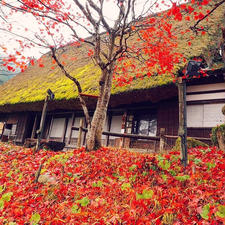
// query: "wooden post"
[[123, 129], [37, 175], [34, 126], [109, 128], [85, 133], [70, 129], [50, 128], [41, 129], [65, 129], [182, 132], [80, 133], [3, 128], [162, 139]]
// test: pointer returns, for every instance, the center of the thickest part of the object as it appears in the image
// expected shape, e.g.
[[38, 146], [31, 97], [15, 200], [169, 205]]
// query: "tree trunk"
[[220, 140], [182, 132], [94, 134]]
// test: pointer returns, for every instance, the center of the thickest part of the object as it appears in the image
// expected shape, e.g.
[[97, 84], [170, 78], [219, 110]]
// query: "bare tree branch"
[[195, 28], [76, 82]]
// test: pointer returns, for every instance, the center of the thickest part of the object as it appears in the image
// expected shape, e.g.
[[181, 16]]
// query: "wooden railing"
[[162, 139]]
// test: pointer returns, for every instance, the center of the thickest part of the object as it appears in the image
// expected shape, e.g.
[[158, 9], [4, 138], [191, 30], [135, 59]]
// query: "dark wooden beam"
[[34, 126], [70, 129]]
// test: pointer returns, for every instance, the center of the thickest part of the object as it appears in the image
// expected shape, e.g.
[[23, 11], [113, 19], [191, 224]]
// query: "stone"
[[47, 178]]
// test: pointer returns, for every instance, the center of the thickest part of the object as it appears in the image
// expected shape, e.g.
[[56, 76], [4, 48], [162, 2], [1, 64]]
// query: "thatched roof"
[[27, 90]]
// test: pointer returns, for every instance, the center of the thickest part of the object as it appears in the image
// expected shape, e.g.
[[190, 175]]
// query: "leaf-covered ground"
[[111, 186]]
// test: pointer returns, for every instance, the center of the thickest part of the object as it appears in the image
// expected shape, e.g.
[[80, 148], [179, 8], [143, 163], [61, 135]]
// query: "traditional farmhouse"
[[143, 108]]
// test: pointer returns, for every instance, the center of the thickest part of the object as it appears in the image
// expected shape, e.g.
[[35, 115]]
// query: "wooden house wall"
[[22, 122], [204, 108], [59, 128], [22, 127], [58, 125], [206, 92], [168, 118]]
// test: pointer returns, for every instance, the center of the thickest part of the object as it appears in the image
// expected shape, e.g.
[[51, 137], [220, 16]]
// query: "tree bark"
[[182, 132], [94, 135], [221, 140]]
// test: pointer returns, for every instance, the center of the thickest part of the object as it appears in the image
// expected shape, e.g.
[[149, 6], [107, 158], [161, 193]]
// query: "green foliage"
[[182, 178], [60, 158], [2, 188], [216, 129], [133, 167], [173, 172], [191, 143], [125, 186], [205, 212], [35, 218], [223, 110], [83, 202], [9, 174], [146, 194], [210, 165], [133, 178], [7, 196], [121, 178], [1, 204], [97, 184], [163, 163], [221, 211], [164, 177], [75, 209], [69, 174], [145, 173], [197, 161]]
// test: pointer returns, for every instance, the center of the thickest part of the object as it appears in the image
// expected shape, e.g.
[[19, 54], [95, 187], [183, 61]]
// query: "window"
[[10, 129], [145, 124]]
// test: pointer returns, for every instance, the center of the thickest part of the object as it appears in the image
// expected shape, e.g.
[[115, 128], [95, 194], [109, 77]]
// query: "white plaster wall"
[[6, 132], [57, 127], [116, 125], [76, 124], [105, 128], [205, 115], [195, 116], [68, 127], [213, 115]]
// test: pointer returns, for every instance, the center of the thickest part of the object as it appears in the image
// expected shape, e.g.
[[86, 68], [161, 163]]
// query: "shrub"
[[214, 136], [53, 145], [191, 143], [223, 110]]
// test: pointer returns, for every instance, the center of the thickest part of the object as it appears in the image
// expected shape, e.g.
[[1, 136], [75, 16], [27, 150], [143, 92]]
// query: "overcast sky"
[[26, 25]]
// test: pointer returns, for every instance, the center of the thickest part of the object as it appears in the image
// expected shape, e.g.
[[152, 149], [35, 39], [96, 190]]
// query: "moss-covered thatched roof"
[[31, 85]]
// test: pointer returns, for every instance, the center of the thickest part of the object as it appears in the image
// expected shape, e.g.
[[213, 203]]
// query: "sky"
[[26, 25]]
